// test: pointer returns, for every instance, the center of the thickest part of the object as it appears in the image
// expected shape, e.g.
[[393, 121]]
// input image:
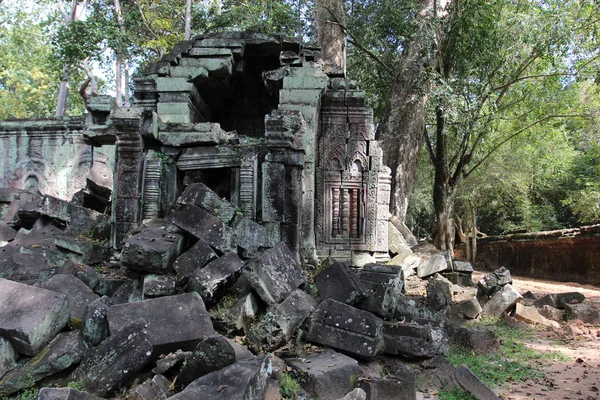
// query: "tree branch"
[[429, 145]]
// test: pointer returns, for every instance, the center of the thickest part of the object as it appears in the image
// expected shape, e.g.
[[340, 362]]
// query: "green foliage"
[[290, 388], [455, 395]]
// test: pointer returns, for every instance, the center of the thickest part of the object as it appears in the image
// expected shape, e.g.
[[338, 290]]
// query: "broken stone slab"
[[211, 354], [275, 274], [202, 196], [85, 250], [212, 280], [109, 284], [397, 245], [196, 257], [471, 383], [170, 361], [157, 388], [64, 351], [479, 340], [384, 286], [243, 380], [330, 374], [245, 311], [30, 317], [439, 293], [552, 313], [356, 394], [391, 387], [203, 225], [190, 134], [340, 283], [116, 360], [84, 273], [155, 285], [493, 282], [66, 393], [464, 279], [462, 266], [558, 300], [415, 340], [22, 267], [8, 356], [345, 328], [501, 301], [252, 237], [280, 322], [95, 321], [129, 292], [426, 263], [586, 312], [78, 219], [174, 322], [7, 233], [79, 295], [469, 308], [530, 315], [153, 250]]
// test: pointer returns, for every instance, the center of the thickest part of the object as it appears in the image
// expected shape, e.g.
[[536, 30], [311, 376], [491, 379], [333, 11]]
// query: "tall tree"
[[188, 20]]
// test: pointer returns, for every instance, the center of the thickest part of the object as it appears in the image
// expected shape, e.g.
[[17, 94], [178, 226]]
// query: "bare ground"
[[576, 377]]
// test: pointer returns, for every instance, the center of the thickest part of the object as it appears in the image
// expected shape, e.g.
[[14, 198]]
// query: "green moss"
[[290, 388]]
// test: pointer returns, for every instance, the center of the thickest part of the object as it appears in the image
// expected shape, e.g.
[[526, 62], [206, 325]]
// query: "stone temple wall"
[[49, 156]]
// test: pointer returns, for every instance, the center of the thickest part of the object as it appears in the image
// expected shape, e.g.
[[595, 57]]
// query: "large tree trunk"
[[188, 20], [118, 81], [401, 128], [330, 16], [63, 93]]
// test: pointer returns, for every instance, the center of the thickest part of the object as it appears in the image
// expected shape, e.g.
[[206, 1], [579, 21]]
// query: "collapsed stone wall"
[[569, 255]]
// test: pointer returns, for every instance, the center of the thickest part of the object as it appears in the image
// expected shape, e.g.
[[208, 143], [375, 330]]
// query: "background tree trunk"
[[188, 20], [63, 93], [331, 18]]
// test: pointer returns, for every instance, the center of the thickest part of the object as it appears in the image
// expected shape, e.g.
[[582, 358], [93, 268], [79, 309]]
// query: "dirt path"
[[578, 376]]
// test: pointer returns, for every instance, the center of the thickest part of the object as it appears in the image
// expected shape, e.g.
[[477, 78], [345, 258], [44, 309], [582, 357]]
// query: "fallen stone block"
[[171, 361], [8, 356], [279, 323], [203, 225], [471, 383], [210, 355], [159, 285], [345, 328], [501, 301], [84, 273], [130, 292], [384, 285], [397, 244], [20, 267], [530, 315], [493, 282], [157, 388], [275, 274], [108, 284], [78, 219], [244, 380], [414, 340], [245, 311], [79, 295], [153, 250], [212, 280], [356, 394], [7, 233], [30, 317], [66, 393], [196, 257], [389, 388], [479, 340], [464, 279], [201, 195], [340, 283], [95, 321], [116, 360], [462, 266], [83, 249], [64, 351], [174, 322], [252, 237], [552, 313], [469, 308], [329, 374], [439, 293], [558, 300], [427, 263], [588, 313]]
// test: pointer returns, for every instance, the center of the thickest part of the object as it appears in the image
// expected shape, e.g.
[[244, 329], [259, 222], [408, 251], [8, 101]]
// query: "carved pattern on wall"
[[152, 178]]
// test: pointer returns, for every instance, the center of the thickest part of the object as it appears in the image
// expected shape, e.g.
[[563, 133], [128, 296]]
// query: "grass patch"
[[456, 395], [290, 388]]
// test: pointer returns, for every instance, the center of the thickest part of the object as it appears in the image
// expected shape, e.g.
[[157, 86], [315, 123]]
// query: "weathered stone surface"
[[530, 315], [174, 322], [65, 350], [196, 257], [211, 354], [155, 285], [116, 360], [329, 373], [152, 250], [156, 388], [384, 286], [84, 273], [439, 293], [426, 263], [275, 274], [405, 231], [244, 380], [552, 313], [252, 237], [586, 312], [7, 233], [347, 329], [501, 301], [473, 384], [23, 267], [211, 281], [30, 317], [558, 300], [95, 321], [65, 393], [413, 340], [170, 361], [202, 196], [397, 244], [245, 311], [462, 266], [205, 226], [469, 308], [464, 279], [340, 283], [280, 322], [130, 292], [79, 295], [390, 388], [85, 250], [108, 284], [8, 356], [78, 219], [480, 340], [494, 281], [356, 394]]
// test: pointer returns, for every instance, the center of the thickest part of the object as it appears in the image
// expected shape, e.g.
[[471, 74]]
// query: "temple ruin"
[[253, 117]]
